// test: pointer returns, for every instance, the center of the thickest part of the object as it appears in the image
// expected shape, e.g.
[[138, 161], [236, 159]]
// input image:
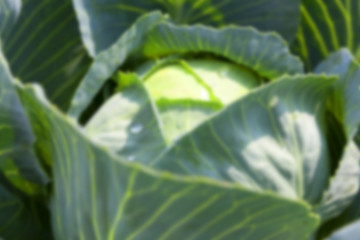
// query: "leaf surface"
[[326, 26], [128, 120], [106, 63], [345, 99], [102, 22], [19, 167], [100, 196], [273, 139], [44, 46], [265, 53], [343, 195]]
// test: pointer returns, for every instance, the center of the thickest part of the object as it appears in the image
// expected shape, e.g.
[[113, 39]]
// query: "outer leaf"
[[345, 101], [266, 54], [129, 120], [350, 215], [347, 232], [99, 196], [16, 143], [9, 11], [344, 186], [45, 46], [21, 217], [326, 26], [262, 141], [16, 137], [342, 197], [102, 22], [108, 61]]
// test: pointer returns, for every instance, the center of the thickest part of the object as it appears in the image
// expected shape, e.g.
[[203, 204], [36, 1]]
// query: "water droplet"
[[136, 128], [131, 158]]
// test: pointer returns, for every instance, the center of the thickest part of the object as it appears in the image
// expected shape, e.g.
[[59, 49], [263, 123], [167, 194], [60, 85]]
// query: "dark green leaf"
[[102, 22], [22, 217], [16, 140], [44, 46], [18, 166], [326, 26], [265, 53]]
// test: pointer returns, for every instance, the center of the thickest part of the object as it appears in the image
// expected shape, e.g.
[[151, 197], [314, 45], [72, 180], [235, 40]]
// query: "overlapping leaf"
[[21, 217], [90, 183], [347, 232], [108, 61], [299, 161], [262, 141], [344, 193], [16, 137], [343, 187], [102, 22], [44, 46], [266, 54], [326, 26], [128, 120], [18, 167], [346, 98]]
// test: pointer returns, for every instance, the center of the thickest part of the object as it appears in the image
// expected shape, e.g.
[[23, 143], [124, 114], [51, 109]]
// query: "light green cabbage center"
[[187, 92], [201, 80]]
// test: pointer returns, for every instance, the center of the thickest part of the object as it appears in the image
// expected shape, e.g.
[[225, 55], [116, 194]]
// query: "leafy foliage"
[[44, 46], [325, 27], [102, 22], [189, 122]]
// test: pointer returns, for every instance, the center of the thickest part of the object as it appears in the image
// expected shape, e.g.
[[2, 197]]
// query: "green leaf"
[[44, 46], [17, 139], [18, 166], [102, 22], [349, 216], [262, 141], [345, 100], [106, 63], [347, 232], [128, 120], [188, 91], [343, 187], [21, 217], [9, 12], [100, 196], [265, 53], [326, 26]]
